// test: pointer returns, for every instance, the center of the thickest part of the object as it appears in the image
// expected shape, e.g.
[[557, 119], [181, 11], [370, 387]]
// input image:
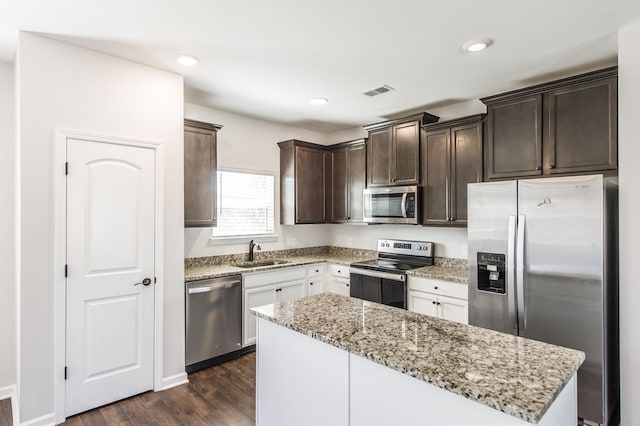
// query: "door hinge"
[[66, 271], [65, 373], [66, 168]]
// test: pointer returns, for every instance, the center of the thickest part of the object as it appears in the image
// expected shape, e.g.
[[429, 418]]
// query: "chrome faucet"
[[252, 245]]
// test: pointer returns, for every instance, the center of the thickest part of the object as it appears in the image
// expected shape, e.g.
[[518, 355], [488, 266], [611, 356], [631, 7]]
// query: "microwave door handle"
[[403, 206]]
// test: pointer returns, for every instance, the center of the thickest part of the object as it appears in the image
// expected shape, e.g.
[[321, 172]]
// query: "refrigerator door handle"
[[511, 286], [522, 307]]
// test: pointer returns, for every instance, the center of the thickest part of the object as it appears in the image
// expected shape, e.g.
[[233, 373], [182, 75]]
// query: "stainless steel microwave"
[[392, 204]]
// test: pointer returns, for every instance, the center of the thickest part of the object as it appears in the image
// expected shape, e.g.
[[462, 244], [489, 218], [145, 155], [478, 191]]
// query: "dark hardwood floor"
[[220, 395], [5, 413]]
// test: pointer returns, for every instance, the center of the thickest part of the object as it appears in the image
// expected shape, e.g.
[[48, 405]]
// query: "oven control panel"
[[412, 248]]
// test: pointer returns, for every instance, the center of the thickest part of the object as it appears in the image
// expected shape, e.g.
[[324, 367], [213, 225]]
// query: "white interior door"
[[110, 248]]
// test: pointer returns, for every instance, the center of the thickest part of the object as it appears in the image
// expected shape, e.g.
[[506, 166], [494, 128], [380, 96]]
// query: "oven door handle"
[[378, 274]]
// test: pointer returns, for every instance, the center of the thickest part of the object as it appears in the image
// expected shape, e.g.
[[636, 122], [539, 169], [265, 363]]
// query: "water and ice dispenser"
[[491, 273]]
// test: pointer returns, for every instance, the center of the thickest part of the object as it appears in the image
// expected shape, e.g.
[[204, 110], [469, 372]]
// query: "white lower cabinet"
[[264, 288], [339, 279], [316, 278], [290, 291], [438, 298]]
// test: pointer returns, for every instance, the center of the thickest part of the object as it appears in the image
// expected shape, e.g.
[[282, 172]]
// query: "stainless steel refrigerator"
[[543, 265]]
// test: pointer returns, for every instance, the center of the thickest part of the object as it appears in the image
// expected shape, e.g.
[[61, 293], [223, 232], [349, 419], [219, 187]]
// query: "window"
[[245, 204]]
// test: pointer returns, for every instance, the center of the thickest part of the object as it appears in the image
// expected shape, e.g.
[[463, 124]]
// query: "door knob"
[[145, 282]]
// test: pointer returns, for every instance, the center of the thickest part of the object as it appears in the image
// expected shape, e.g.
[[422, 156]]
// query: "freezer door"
[[491, 229], [563, 274]]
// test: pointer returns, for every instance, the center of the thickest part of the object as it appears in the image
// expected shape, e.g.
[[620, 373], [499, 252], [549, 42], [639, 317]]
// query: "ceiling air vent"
[[379, 90]]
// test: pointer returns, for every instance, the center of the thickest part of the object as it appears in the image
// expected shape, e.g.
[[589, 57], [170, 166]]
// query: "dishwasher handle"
[[211, 285]]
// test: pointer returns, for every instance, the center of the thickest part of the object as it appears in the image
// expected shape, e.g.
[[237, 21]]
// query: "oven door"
[[376, 286]]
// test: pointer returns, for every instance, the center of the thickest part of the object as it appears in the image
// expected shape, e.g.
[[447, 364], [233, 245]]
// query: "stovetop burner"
[[392, 264]]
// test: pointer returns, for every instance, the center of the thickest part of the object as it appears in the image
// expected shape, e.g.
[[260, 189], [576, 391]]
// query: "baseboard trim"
[[175, 380], [46, 420], [11, 392]]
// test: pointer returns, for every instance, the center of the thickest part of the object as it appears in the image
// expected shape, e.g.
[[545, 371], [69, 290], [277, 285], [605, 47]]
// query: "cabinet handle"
[[435, 288], [538, 168], [438, 303], [453, 219], [347, 285], [552, 166], [434, 302], [310, 283]]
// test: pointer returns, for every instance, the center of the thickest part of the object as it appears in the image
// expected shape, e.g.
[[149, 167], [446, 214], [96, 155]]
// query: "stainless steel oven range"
[[384, 280]]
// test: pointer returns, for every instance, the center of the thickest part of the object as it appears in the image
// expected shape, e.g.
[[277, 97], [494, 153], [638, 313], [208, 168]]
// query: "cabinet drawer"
[[316, 270], [339, 270], [277, 276], [440, 287]]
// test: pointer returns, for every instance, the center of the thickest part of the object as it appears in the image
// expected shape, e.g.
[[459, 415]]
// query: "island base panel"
[[299, 380], [381, 396]]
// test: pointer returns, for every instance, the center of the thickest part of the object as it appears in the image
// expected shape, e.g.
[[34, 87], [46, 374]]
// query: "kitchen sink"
[[257, 264]]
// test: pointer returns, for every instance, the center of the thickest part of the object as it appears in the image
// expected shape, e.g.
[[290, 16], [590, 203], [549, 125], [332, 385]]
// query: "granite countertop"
[[442, 272], [200, 272], [517, 376]]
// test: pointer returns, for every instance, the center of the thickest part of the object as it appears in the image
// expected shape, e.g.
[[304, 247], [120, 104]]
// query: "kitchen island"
[[330, 359]]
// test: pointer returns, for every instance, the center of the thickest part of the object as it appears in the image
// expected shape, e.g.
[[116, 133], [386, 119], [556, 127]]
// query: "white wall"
[[66, 86], [7, 251], [246, 143], [629, 173]]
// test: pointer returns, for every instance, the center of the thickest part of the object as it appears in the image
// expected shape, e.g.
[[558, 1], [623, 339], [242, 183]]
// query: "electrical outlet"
[[292, 242]]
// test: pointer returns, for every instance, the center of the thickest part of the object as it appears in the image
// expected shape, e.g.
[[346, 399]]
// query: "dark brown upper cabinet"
[[582, 131], [200, 173], [393, 151], [451, 158], [567, 126], [303, 181], [514, 133], [347, 176]]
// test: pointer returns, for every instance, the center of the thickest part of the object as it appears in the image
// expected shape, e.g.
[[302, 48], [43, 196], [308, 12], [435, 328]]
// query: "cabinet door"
[[405, 158], [466, 167], [338, 202], [254, 297], [199, 175], [423, 303], [310, 182], [357, 170], [340, 286], [453, 309], [436, 160], [290, 291], [514, 138], [379, 157], [582, 128], [316, 286]]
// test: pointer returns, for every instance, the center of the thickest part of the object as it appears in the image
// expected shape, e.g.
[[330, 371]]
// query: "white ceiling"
[[266, 58]]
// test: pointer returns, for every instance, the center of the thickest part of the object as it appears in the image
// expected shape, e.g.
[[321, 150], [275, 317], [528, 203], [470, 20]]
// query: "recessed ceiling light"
[[318, 101], [477, 45], [186, 59]]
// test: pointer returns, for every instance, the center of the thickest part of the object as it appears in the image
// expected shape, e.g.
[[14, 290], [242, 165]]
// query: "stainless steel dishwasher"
[[213, 318]]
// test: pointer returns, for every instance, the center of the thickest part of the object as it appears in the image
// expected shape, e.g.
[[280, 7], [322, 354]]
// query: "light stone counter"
[[206, 271], [517, 376]]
